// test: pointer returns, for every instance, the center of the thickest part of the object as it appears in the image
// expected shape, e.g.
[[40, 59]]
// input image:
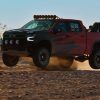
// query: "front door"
[[69, 38]]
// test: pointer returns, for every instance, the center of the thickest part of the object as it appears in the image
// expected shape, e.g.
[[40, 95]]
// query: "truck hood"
[[24, 32]]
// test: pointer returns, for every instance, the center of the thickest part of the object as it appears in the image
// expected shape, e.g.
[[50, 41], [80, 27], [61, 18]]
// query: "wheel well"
[[45, 43], [96, 46]]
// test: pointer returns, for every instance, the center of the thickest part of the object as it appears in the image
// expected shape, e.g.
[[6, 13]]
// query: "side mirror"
[[58, 30]]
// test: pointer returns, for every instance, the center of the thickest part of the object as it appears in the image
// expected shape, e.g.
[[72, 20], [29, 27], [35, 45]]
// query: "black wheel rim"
[[97, 60], [44, 57]]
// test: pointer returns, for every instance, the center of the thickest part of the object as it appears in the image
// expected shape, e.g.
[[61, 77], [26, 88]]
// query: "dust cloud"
[[55, 64], [83, 65], [61, 64]]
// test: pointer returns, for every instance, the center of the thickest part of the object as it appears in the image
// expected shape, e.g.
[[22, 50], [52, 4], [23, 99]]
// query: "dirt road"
[[25, 82], [50, 85]]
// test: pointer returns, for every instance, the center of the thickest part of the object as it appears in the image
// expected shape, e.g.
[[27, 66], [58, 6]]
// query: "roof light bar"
[[45, 17]]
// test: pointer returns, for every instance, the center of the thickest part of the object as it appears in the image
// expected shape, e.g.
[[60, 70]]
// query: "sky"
[[15, 13]]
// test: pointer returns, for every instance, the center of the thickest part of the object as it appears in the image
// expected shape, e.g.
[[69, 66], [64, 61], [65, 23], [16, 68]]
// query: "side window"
[[75, 27], [61, 27]]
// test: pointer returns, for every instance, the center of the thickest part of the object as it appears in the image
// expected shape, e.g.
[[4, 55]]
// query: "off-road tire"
[[41, 57], [9, 60], [94, 59]]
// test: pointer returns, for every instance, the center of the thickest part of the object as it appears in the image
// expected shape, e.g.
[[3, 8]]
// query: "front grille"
[[14, 36], [14, 43], [14, 40]]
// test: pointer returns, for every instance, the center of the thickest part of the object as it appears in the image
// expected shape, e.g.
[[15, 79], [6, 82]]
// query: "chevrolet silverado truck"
[[49, 35]]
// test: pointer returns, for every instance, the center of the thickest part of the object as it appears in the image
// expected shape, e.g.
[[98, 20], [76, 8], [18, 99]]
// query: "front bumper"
[[20, 48], [16, 53], [14, 44]]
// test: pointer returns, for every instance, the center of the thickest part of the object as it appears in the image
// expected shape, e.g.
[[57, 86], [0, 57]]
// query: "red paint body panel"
[[74, 43], [92, 38]]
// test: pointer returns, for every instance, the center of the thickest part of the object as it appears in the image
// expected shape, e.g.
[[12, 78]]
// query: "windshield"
[[39, 24]]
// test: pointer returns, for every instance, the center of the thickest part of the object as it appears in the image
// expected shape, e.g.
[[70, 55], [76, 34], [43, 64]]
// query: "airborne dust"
[[56, 64]]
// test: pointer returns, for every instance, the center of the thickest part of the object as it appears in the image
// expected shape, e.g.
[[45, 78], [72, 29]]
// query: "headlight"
[[17, 41], [30, 38], [6, 42], [11, 42]]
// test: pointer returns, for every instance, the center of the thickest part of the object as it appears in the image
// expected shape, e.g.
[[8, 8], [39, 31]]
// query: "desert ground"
[[27, 82]]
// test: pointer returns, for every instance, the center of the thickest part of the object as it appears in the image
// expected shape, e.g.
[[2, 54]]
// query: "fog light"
[[17, 41], [11, 42], [6, 41]]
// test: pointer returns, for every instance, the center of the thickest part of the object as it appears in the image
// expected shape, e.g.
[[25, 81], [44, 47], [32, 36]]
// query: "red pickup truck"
[[48, 35]]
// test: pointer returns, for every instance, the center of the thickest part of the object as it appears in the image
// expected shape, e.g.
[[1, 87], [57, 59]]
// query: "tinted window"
[[63, 27], [38, 24], [75, 27]]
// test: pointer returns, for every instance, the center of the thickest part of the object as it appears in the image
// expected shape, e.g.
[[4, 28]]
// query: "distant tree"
[[95, 27], [3, 27]]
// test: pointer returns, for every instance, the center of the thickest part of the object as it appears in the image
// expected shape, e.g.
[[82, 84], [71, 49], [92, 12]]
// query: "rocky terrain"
[[27, 82]]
